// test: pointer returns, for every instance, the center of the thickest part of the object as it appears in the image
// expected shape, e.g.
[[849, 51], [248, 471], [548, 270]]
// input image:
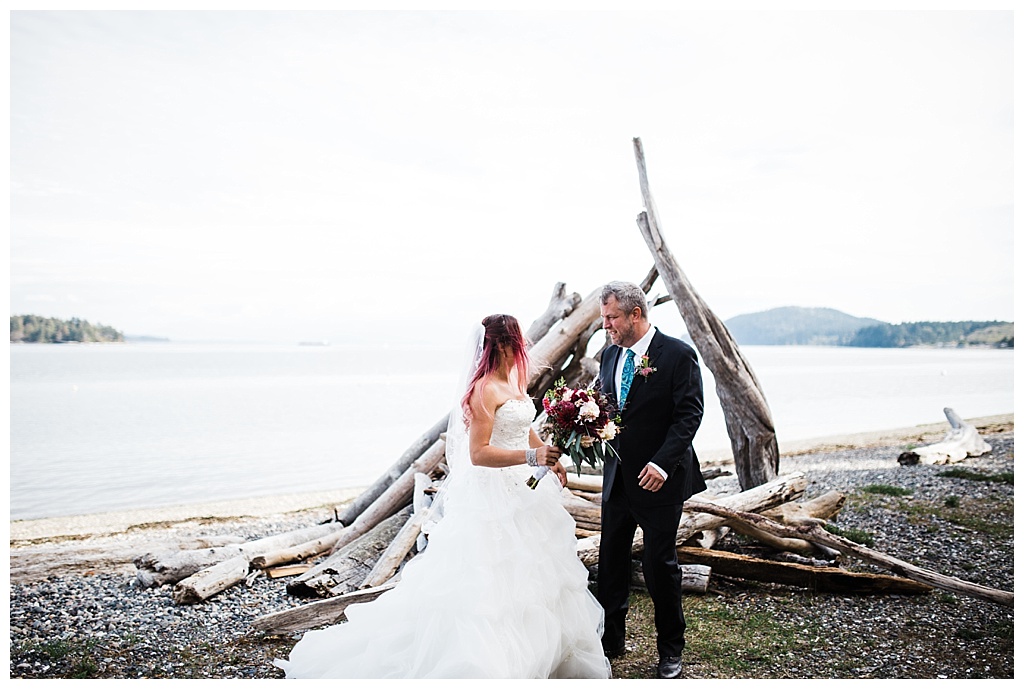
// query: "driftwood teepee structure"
[[360, 553]]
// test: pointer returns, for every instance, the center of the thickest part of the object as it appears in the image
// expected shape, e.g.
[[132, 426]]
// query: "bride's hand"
[[547, 455]]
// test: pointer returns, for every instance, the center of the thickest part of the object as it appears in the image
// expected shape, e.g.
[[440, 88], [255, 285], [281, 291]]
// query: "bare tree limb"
[[813, 532]]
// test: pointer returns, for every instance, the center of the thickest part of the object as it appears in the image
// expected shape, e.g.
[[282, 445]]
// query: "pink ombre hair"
[[499, 330]]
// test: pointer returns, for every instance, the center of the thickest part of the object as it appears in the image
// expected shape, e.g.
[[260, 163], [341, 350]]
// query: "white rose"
[[567, 396], [589, 411], [608, 432]]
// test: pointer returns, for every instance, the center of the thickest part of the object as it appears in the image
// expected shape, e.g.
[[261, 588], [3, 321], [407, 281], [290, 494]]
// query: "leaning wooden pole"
[[747, 417]]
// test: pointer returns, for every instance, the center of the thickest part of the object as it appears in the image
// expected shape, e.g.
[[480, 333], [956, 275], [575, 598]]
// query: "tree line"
[[40, 329], [957, 333]]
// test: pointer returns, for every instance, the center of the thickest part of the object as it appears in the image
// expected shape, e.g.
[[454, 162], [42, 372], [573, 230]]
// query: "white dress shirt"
[[639, 348]]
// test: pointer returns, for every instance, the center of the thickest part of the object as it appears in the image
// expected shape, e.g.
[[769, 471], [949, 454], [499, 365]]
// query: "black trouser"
[[661, 569]]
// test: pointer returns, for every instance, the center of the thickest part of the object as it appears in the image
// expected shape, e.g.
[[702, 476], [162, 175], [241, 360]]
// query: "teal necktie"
[[627, 378]]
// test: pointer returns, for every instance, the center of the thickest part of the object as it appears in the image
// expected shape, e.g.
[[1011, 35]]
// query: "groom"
[[657, 382]]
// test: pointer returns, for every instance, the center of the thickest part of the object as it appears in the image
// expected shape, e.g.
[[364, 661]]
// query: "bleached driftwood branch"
[[316, 614], [747, 416], [814, 532], [831, 579], [170, 567], [768, 495], [961, 441]]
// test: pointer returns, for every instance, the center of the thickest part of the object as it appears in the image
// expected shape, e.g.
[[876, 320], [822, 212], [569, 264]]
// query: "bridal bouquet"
[[581, 421]]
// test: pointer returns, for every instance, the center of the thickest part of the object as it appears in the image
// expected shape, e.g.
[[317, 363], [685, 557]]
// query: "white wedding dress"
[[498, 593]]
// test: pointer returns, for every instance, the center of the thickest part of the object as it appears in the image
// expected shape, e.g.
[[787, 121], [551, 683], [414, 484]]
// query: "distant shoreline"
[[87, 525]]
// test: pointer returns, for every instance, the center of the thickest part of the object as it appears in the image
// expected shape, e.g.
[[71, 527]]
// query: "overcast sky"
[[343, 176]]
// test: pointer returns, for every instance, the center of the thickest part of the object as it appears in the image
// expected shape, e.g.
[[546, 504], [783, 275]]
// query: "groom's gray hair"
[[628, 295]]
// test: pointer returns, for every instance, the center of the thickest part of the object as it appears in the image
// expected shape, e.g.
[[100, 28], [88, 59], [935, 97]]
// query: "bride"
[[499, 591]]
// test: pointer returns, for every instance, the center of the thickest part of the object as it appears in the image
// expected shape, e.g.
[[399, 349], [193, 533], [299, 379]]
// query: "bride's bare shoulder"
[[493, 395]]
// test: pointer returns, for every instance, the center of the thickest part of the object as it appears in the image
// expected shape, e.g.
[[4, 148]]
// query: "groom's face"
[[622, 327]]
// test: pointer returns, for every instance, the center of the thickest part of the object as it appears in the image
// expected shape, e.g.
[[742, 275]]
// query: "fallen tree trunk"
[[820, 579], [157, 569], [593, 483], [814, 532], [960, 442], [303, 551], [388, 563], [210, 581], [346, 569], [316, 614], [823, 507], [782, 489], [694, 578], [747, 416]]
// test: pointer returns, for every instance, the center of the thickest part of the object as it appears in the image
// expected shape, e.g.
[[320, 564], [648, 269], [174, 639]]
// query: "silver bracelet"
[[531, 457]]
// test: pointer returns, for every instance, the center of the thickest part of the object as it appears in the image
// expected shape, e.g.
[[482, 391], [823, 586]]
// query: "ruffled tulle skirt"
[[498, 593]]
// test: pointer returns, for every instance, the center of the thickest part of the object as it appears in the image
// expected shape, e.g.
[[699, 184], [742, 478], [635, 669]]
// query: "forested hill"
[[40, 329], [797, 325], [794, 325], [947, 334]]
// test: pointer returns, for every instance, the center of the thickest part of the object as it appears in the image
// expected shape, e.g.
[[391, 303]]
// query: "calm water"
[[96, 428]]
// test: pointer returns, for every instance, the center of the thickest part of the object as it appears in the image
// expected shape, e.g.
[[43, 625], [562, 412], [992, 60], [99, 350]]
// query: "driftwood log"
[[821, 579], [821, 508], [747, 416], [170, 567], [316, 614], [210, 581], [560, 306], [772, 494], [961, 441], [814, 532], [549, 355], [346, 569], [302, 551], [390, 560], [694, 578]]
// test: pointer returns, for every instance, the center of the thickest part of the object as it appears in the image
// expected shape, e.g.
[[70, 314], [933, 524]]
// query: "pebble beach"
[[75, 610]]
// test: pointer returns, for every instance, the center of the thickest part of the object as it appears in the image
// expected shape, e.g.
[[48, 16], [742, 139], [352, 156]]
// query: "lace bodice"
[[512, 424]]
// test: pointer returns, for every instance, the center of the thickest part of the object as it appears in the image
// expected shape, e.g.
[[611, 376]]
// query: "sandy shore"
[[90, 525]]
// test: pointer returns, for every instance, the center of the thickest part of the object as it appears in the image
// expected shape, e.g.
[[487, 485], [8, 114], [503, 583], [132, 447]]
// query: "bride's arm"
[[481, 452]]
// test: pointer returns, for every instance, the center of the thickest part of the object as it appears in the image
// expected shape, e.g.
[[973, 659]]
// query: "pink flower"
[[644, 368]]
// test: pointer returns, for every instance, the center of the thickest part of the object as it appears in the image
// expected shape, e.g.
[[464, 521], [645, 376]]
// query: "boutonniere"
[[644, 368]]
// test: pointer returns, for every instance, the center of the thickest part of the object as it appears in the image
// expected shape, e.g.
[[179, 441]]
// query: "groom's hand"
[[559, 471], [650, 479]]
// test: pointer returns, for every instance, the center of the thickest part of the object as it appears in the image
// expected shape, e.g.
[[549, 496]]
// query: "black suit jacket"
[[659, 420]]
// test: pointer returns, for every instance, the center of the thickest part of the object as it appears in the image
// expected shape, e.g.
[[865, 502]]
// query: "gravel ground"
[[95, 623]]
